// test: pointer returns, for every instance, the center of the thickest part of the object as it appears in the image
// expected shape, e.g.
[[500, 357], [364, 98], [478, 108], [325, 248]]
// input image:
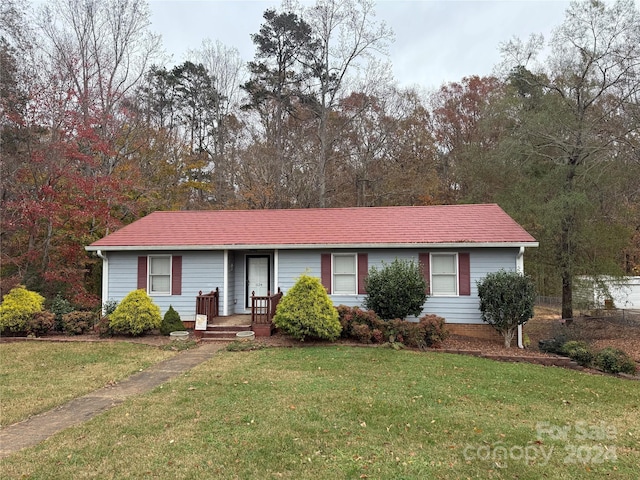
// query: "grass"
[[37, 376], [340, 412]]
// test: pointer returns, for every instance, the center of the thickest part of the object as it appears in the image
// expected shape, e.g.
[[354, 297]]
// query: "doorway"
[[258, 276]]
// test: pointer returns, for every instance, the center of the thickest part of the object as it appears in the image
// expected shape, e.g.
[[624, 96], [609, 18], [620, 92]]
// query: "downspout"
[[105, 278], [520, 269], [225, 283]]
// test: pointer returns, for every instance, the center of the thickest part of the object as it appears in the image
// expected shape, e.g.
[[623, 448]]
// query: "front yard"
[[345, 412], [37, 376]]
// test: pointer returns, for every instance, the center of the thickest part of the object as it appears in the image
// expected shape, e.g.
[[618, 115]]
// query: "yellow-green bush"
[[135, 315], [18, 307], [306, 311]]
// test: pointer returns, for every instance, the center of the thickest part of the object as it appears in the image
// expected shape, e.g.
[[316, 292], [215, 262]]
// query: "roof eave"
[[443, 245]]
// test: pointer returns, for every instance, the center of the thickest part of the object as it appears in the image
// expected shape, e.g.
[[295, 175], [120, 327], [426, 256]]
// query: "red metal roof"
[[484, 224]]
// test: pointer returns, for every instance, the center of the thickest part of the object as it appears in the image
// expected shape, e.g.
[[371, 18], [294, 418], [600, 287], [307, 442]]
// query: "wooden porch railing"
[[263, 308], [208, 304]]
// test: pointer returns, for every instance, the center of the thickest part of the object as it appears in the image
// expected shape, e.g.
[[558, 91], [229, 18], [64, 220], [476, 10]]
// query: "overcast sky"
[[436, 41]]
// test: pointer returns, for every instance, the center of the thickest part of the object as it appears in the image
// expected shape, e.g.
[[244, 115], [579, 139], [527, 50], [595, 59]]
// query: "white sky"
[[436, 41]]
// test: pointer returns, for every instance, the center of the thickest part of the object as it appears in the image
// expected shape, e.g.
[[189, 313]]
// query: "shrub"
[[78, 322], [171, 322], [553, 345], [103, 327], [109, 307], [506, 301], [59, 307], [361, 332], [396, 290], [578, 351], [40, 323], [135, 315], [613, 360], [435, 330], [306, 311], [18, 307], [377, 335]]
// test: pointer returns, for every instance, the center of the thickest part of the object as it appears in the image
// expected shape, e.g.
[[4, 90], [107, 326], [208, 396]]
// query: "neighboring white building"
[[623, 291]]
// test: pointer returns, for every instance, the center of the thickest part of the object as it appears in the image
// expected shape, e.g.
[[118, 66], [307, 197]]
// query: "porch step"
[[223, 332]]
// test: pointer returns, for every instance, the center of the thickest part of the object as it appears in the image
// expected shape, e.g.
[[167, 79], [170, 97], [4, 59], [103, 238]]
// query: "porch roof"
[[374, 227]]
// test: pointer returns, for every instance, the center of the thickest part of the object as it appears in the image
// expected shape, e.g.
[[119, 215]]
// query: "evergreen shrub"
[[135, 315], [18, 306], [396, 290], [171, 322], [306, 311], [613, 360]]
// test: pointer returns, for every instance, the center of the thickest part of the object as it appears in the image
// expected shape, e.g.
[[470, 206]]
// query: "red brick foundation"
[[482, 331]]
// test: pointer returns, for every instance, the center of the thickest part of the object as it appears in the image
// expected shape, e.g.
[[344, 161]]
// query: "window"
[[160, 275], [444, 274], [344, 274]]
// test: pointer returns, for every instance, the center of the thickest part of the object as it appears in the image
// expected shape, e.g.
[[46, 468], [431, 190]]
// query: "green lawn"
[[341, 412], [37, 376]]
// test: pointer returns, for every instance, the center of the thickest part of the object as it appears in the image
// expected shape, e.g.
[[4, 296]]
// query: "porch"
[[260, 320]]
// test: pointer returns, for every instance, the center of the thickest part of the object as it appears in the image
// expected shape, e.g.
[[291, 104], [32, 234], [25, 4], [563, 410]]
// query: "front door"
[[257, 276]]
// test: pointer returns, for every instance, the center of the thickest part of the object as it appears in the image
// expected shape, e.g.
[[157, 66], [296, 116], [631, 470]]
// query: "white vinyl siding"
[[345, 279], [444, 274], [159, 275]]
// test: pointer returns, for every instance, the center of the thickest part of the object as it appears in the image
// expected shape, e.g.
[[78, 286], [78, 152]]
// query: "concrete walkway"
[[40, 427]]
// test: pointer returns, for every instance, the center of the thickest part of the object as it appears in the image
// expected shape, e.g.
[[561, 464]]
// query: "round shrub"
[[78, 322], [435, 330], [59, 307], [40, 323], [171, 322], [396, 290], [613, 360], [135, 315], [306, 311], [578, 351], [18, 307], [361, 332], [506, 301]]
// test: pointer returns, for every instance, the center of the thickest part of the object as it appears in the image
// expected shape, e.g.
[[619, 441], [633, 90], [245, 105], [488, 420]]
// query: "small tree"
[[171, 322], [396, 290], [135, 315], [506, 301], [307, 311]]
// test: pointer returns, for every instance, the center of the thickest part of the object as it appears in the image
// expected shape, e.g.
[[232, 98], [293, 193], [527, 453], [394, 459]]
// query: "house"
[[242, 254]]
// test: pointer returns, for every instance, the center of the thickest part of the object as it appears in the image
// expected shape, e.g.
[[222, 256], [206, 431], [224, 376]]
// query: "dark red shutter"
[[464, 274], [363, 271], [142, 273], [325, 271], [423, 258], [176, 275]]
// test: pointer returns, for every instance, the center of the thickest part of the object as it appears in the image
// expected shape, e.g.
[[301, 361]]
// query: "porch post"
[[275, 270], [225, 284]]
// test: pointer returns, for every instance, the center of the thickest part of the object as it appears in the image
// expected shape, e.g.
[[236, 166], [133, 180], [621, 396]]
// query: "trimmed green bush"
[[135, 315], [306, 311], [396, 290], [18, 307], [171, 322], [506, 301], [578, 351], [613, 360]]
